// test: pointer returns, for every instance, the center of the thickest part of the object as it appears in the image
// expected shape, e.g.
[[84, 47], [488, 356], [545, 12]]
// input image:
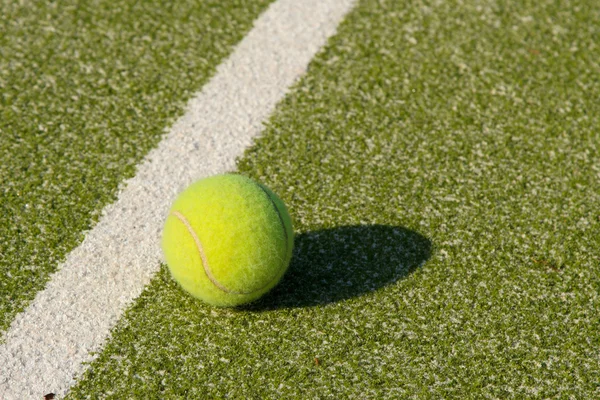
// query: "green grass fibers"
[[86, 89], [440, 161]]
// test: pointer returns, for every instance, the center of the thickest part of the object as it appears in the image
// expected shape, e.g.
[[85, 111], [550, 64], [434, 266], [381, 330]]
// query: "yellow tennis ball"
[[228, 240]]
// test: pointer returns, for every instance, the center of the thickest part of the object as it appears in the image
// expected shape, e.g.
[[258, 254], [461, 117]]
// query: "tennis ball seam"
[[285, 233], [200, 249], [204, 259]]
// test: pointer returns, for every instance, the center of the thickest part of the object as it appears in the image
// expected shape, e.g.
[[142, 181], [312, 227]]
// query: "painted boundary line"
[[45, 346]]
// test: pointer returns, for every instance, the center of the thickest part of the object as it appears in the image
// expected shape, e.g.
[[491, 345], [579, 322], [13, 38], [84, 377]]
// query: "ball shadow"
[[335, 264]]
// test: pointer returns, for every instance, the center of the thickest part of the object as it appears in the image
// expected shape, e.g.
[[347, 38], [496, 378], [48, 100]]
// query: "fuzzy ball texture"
[[228, 240]]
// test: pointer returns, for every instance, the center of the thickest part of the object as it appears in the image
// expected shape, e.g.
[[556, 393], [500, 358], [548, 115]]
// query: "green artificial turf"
[[441, 163], [86, 89]]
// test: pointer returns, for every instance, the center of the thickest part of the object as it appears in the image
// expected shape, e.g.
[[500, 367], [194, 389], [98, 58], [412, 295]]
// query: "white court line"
[[45, 346]]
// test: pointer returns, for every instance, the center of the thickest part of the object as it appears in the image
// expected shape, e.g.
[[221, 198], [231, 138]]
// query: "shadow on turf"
[[336, 264]]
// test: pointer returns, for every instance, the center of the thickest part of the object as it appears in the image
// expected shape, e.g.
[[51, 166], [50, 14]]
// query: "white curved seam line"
[[200, 249], [285, 233], [204, 259]]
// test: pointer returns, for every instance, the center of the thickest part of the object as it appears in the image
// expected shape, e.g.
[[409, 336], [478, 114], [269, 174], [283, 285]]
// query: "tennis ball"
[[227, 240]]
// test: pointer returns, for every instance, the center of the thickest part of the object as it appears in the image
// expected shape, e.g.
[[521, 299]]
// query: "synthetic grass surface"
[[460, 137], [87, 88]]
